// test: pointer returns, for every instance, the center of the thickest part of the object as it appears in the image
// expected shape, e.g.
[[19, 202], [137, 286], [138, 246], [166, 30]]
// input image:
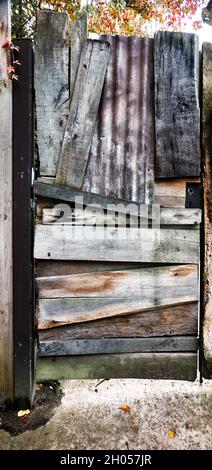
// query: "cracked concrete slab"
[[121, 414]]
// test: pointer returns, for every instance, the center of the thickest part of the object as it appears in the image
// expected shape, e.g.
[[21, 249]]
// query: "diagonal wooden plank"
[[177, 105], [51, 86], [116, 244], [83, 112], [164, 321], [175, 281]]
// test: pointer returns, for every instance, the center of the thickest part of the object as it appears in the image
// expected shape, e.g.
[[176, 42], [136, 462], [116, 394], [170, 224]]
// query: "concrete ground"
[[122, 414]]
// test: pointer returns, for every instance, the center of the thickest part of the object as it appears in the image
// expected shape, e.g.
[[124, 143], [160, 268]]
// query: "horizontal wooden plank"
[[68, 311], [95, 215], [119, 345], [174, 366], [164, 321], [179, 282], [116, 244], [64, 215], [61, 268]]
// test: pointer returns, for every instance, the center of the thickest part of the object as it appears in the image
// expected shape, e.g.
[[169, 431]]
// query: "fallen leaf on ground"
[[22, 413], [171, 434], [125, 408]]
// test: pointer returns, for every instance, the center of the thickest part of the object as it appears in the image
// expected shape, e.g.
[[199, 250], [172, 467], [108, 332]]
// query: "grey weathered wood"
[[178, 282], [177, 366], [114, 346], [51, 87], [122, 154], [69, 311], [116, 244], [177, 105], [62, 214], [79, 32], [168, 216], [83, 112], [6, 257], [163, 321], [207, 155]]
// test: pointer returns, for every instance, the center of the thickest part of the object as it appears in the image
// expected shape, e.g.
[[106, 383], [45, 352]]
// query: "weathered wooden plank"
[[6, 257], [79, 32], [172, 193], [121, 206], [116, 244], [83, 112], [121, 161], [207, 155], [51, 86], [114, 346], [69, 311], [176, 366], [62, 268], [177, 105], [180, 282], [163, 321], [65, 215]]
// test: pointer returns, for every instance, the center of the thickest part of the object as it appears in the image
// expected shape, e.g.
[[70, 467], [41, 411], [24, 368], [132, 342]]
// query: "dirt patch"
[[48, 396]]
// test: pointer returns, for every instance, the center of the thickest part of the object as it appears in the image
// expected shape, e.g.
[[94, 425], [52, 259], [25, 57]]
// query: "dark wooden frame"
[[23, 226]]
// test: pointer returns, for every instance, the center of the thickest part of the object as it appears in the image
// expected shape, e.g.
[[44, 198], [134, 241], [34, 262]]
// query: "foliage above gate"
[[131, 17]]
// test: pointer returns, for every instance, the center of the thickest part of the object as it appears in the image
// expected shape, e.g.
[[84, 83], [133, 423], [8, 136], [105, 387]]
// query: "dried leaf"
[[125, 408], [22, 413], [171, 433]]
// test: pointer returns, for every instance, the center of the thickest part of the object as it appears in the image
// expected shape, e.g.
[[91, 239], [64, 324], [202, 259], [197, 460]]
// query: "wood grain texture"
[[178, 282], [177, 105], [207, 155], [115, 346], [121, 161], [46, 268], [6, 256], [176, 366], [51, 86], [83, 112], [79, 32], [65, 215], [69, 311], [172, 192], [116, 244], [163, 321]]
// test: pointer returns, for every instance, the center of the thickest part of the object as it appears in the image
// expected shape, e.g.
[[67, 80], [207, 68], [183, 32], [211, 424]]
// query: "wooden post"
[[23, 285], [6, 300], [207, 155]]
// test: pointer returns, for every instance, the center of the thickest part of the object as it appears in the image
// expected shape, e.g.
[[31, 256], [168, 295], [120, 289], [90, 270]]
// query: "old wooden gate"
[[117, 239]]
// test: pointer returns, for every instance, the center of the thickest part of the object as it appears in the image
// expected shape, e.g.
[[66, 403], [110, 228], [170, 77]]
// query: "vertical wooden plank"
[[207, 155], [23, 322], [6, 328], [177, 115], [83, 113], [79, 32], [51, 87]]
